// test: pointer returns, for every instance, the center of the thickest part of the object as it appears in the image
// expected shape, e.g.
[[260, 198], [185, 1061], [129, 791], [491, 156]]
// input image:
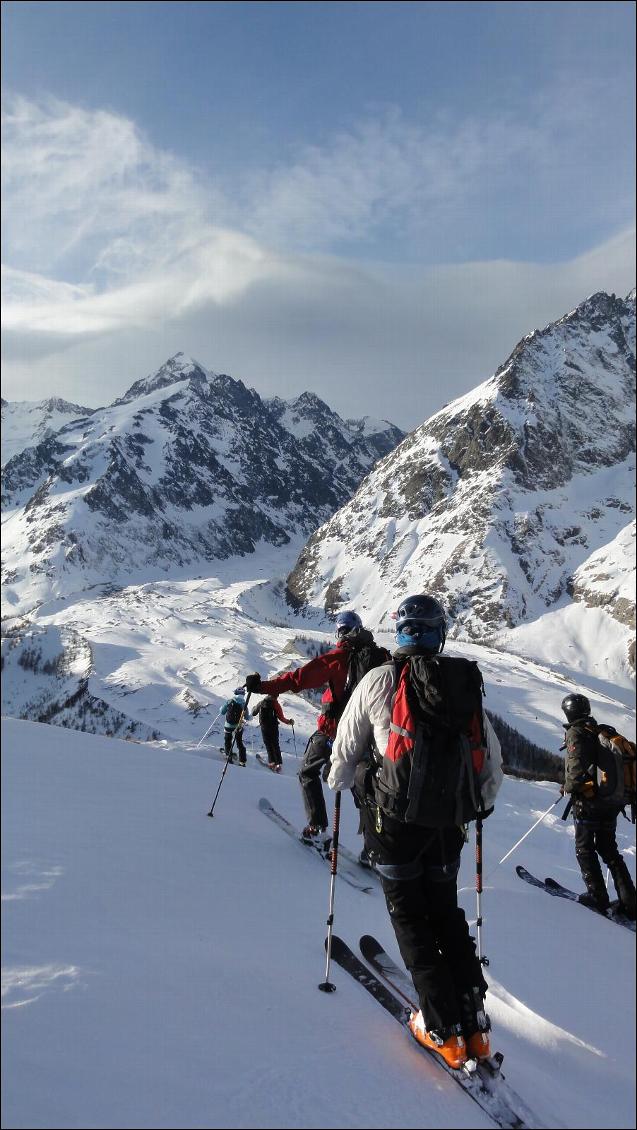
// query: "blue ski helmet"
[[239, 691], [347, 624], [421, 623]]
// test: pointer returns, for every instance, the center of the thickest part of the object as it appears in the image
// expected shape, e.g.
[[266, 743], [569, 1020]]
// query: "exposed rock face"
[[606, 579], [510, 501], [187, 467]]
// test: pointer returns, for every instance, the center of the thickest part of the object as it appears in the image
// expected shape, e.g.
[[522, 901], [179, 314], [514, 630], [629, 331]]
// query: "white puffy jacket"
[[366, 718]]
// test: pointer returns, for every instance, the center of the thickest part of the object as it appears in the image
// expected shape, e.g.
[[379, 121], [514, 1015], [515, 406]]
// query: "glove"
[[289, 721], [253, 683], [588, 790]]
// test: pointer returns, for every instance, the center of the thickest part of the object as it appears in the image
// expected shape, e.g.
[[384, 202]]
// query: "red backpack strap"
[[402, 727]]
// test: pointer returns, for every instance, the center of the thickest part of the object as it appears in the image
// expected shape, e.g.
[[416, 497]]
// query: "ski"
[[552, 887], [262, 761], [491, 1094], [345, 869]]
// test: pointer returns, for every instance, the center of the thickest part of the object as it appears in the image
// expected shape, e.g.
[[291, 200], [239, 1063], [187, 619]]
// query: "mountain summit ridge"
[[187, 467], [496, 503]]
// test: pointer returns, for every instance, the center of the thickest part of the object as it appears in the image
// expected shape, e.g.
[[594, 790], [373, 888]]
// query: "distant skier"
[[597, 802], [270, 714], [436, 765], [339, 670], [236, 714]]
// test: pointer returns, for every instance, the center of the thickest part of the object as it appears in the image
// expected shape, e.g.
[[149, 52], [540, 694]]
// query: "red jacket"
[[330, 668]]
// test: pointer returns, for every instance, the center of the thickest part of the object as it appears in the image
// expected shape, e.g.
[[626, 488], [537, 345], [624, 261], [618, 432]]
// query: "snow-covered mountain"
[[26, 423], [189, 466], [321, 433], [512, 502]]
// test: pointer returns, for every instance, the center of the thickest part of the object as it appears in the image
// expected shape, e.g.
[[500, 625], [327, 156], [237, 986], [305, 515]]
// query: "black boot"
[[625, 888], [596, 894]]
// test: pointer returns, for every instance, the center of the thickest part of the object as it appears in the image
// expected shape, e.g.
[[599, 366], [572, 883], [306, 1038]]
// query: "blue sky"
[[371, 200]]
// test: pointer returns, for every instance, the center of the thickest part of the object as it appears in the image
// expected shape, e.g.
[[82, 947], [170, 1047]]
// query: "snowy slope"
[[26, 423], [510, 503], [165, 654], [160, 969]]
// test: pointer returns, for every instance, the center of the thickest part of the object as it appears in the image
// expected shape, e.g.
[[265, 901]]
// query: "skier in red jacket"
[[336, 670], [270, 714]]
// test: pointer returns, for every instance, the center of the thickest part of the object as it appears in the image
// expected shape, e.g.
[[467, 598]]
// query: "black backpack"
[[267, 714], [437, 746], [360, 661], [615, 768], [233, 712]]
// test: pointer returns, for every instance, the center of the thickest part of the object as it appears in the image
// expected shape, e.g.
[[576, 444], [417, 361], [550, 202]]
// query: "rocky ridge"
[[187, 467], [509, 501]]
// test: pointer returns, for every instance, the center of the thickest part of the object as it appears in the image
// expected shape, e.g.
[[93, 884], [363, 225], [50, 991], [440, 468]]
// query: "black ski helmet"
[[576, 706], [348, 624], [421, 621]]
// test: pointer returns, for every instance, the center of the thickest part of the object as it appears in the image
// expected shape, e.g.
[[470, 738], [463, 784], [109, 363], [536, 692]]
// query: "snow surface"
[[160, 968], [27, 422]]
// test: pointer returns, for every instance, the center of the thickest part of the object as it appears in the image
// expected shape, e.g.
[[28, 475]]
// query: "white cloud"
[[119, 255], [392, 342], [84, 190]]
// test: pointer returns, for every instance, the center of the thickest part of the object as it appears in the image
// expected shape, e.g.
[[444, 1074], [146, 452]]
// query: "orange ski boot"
[[478, 1045], [449, 1043]]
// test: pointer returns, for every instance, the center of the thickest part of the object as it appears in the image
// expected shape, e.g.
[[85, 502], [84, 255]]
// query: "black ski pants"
[[270, 737], [318, 752], [420, 886], [237, 734], [595, 837]]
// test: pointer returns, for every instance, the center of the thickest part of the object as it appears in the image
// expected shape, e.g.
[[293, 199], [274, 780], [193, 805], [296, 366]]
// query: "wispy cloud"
[[84, 191], [117, 250], [385, 173]]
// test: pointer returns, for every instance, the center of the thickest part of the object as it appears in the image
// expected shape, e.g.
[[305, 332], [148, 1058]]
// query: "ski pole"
[[294, 740], [207, 731], [538, 821], [229, 754], [481, 958], [326, 986]]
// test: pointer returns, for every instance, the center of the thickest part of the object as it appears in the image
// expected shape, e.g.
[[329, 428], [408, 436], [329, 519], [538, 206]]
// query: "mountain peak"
[[179, 367], [309, 400], [499, 500]]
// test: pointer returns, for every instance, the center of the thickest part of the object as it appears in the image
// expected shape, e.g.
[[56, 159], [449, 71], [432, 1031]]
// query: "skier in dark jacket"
[[595, 817], [329, 670], [270, 714], [418, 864], [235, 714]]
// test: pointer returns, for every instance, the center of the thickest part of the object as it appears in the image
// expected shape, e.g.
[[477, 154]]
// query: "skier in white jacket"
[[402, 716]]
